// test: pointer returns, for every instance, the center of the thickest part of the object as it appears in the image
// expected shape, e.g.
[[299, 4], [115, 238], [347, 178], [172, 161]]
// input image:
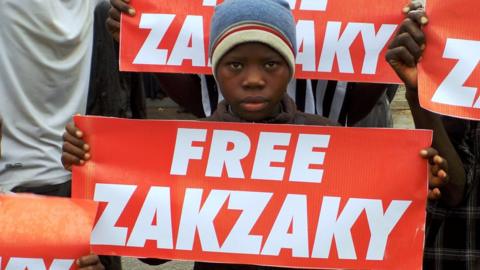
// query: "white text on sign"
[[17, 263], [190, 44], [221, 156], [289, 230], [452, 90]]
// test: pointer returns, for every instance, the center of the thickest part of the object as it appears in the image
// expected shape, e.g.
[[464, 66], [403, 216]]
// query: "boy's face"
[[253, 79]]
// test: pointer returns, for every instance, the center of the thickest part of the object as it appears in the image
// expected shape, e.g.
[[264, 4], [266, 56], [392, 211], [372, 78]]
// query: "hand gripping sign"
[[336, 39], [40, 233], [279, 195], [449, 74]]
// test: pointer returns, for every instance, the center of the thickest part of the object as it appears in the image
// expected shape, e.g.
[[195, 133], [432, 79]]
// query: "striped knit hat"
[[242, 21]]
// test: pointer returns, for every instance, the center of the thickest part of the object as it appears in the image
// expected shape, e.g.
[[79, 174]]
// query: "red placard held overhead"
[[449, 74], [279, 195], [336, 39], [39, 233]]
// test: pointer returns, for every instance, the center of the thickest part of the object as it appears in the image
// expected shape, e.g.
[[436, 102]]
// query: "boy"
[[252, 51]]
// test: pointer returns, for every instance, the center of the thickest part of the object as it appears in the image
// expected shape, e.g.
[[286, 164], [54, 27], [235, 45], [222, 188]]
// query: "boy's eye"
[[271, 65], [235, 65]]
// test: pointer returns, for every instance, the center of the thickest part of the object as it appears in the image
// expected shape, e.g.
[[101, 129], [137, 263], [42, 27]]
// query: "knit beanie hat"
[[242, 21]]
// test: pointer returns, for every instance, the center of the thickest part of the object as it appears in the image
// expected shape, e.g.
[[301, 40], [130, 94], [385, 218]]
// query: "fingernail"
[[79, 133], [424, 20], [420, 59], [82, 161], [423, 152], [87, 156], [437, 159], [406, 9], [131, 11], [422, 47], [86, 147]]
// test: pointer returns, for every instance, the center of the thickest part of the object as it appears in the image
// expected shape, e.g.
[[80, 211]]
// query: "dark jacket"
[[111, 92], [289, 115]]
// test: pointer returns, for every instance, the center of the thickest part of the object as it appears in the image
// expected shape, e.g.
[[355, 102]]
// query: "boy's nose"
[[253, 79]]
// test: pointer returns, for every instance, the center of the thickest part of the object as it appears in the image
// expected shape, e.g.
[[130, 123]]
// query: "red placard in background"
[[44, 232], [449, 76], [338, 40], [238, 193]]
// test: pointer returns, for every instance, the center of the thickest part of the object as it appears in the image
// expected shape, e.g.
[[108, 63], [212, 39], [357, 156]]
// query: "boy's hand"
[[113, 20], [74, 151], [90, 262], [407, 47], [438, 176]]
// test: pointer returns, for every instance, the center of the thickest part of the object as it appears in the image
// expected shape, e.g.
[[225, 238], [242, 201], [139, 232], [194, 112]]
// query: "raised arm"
[[403, 55]]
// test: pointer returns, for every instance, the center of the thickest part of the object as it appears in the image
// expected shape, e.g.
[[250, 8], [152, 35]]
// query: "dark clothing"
[[331, 99], [453, 234], [60, 190], [64, 190], [289, 115], [111, 92]]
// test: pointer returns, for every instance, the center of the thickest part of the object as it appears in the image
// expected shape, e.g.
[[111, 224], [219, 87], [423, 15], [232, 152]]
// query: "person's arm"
[[184, 89], [361, 99], [403, 55]]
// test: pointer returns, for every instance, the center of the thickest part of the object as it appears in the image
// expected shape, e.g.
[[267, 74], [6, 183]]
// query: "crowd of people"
[[60, 58]]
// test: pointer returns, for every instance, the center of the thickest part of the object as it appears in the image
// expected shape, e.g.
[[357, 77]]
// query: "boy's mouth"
[[254, 103]]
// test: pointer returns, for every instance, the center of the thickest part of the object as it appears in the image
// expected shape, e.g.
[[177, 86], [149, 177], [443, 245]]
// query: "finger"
[[114, 28], [437, 182], [88, 260], [403, 63], [75, 150], [414, 30], [434, 170], [69, 160], [428, 153], [73, 130], [443, 174], [67, 137], [399, 56], [418, 16], [441, 162], [123, 7], [114, 14], [407, 41], [413, 5], [434, 194]]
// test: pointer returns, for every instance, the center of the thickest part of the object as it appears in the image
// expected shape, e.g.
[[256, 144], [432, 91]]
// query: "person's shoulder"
[[302, 118]]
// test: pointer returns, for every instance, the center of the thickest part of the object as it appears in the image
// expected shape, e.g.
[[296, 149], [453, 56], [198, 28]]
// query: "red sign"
[[449, 74], [279, 195], [39, 233], [334, 42]]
